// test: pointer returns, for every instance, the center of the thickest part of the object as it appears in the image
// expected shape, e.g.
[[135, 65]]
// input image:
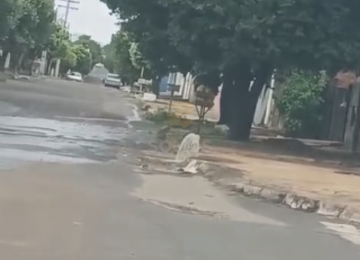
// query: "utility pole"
[[68, 6]]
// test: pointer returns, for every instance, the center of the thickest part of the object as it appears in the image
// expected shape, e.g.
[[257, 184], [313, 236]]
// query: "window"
[[113, 76], [77, 74]]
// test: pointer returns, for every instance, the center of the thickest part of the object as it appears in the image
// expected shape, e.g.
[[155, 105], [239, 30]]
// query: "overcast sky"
[[92, 18]]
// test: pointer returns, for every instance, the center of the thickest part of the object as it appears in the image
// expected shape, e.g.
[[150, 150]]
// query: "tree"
[[8, 17], [246, 40], [93, 47], [149, 32], [122, 43], [59, 46], [83, 62], [109, 55], [32, 29], [300, 103]]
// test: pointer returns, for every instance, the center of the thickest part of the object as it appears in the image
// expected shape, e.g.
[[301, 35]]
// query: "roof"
[[345, 79]]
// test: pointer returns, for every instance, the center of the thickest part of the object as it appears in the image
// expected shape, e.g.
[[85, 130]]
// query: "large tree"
[[246, 40], [93, 47], [8, 17], [32, 28], [123, 61]]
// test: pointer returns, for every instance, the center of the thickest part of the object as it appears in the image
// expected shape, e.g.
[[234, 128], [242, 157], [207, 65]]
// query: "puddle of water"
[[10, 158], [194, 194], [135, 117], [35, 139], [53, 128], [8, 108]]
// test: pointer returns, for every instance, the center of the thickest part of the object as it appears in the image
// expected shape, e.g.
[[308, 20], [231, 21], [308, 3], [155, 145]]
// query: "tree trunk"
[[244, 101], [225, 99], [2, 59], [239, 107], [155, 86]]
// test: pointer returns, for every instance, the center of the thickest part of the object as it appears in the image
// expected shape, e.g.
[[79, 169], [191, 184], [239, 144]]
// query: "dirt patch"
[[182, 108], [322, 154], [318, 183]]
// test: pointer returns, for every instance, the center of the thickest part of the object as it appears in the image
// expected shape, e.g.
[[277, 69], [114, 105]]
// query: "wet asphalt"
[[58, 121], [65, 191]]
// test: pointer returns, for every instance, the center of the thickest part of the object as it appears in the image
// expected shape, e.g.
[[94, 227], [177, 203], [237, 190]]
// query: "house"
[[345, 120], [263, 109], [177, 78]]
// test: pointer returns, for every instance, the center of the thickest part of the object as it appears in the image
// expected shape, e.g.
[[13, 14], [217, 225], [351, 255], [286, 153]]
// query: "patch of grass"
[[207, 129], [160, 116]]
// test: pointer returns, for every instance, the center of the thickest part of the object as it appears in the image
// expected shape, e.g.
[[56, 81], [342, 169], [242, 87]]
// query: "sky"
[[92, 18]]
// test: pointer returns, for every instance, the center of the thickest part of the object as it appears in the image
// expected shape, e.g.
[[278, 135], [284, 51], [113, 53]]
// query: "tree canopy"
[[245, 40], [26, 27], [120, 57]]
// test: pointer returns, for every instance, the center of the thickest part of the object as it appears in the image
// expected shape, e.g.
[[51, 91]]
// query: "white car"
[[74, 76], [112, 80]]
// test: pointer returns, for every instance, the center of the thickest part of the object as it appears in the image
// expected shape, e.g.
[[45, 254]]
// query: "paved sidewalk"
[[325, 188], [302, 187], [308, 175], [327, 191]]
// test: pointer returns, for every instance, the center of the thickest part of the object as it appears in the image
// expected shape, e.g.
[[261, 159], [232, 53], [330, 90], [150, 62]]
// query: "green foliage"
[[109, 54], [300, 103], [33, 25], [244, 39], [137, 58], [307, 34], [93, 47], [121, 44], [9, 12], [159, 116], [78, 56], [83, 62]]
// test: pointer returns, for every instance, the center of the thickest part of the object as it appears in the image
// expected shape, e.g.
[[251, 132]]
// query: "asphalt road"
[[67, 192]]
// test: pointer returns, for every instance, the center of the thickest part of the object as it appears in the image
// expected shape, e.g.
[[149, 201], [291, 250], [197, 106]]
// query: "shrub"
[[300, 103]]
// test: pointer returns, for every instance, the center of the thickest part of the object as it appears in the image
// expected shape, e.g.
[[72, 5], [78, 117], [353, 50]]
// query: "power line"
[[68, 7]]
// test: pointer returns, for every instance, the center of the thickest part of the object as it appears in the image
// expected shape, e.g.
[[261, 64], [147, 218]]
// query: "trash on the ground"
[[126, 89], [189, 147], [146, 107], [192, 167], [144, 166], [161, 134], [149, 97], [223, 128]]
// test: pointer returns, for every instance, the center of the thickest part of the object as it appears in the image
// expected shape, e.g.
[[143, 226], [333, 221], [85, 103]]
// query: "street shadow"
[[215, 159], [312, 152]]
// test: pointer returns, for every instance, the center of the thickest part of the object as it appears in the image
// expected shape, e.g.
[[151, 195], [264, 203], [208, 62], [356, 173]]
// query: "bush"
[[157, 116], [300, 103]]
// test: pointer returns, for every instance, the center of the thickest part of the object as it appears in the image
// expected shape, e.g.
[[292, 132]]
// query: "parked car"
[[112, 80], [74, 76]]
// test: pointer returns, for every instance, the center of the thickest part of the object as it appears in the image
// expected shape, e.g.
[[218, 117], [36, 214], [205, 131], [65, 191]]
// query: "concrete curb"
[[13, 76], [289, 199], [274, 195]]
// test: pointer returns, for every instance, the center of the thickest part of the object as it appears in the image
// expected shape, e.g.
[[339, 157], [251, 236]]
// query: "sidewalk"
[[326, 190], [302, 187], [324, 187], [308, 175]]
